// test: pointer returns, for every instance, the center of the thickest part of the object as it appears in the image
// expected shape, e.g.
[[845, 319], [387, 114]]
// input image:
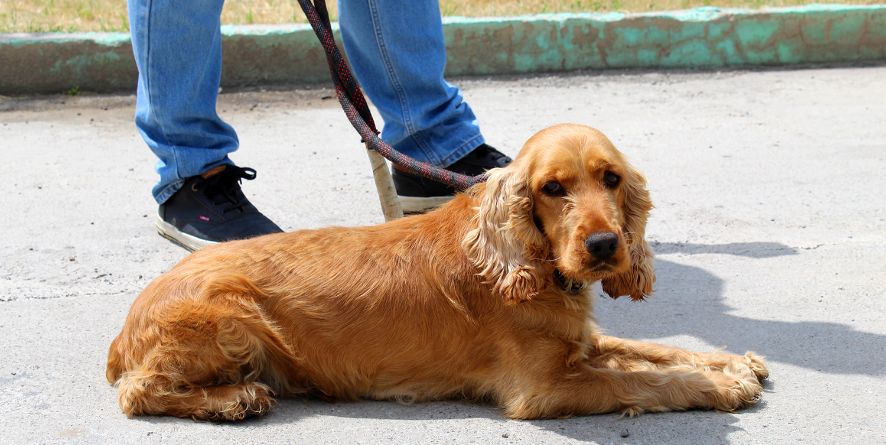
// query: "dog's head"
[[569, 206]]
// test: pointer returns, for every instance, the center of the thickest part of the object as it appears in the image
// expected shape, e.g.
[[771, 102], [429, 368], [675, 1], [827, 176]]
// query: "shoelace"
[[223, 188], [483, 157], [495, 156]]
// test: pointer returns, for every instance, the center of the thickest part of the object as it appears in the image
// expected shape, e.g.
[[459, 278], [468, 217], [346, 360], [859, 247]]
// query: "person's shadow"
[[689, 301]]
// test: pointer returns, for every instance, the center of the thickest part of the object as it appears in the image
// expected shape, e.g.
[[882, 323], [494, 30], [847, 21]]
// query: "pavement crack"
[[7, 299]]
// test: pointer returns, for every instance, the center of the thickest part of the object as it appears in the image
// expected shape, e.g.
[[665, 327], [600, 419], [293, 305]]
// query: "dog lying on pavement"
[[486, 298]]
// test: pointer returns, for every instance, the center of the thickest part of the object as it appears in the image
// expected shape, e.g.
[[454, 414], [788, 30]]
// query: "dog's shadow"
[[688, 301], [432, 422], [488, 425]]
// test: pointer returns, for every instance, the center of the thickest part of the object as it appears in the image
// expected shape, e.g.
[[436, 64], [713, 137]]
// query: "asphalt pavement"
[[769, 227]]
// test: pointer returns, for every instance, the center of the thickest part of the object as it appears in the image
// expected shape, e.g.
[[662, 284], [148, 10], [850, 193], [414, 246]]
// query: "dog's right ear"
[[505, 244]]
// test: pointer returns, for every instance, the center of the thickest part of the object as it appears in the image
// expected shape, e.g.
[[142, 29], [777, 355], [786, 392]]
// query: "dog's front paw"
[[757, 365], [235, 402], [737, 387]]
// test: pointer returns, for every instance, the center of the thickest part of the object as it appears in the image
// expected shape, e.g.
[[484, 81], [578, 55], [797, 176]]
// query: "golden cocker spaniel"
[[485, 298]]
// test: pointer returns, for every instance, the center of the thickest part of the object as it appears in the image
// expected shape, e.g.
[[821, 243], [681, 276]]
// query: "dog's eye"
[[611, 179], [553, 188]]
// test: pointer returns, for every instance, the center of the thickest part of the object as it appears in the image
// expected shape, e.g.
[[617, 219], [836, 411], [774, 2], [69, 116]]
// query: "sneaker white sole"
[[413, 205], [171, 233]]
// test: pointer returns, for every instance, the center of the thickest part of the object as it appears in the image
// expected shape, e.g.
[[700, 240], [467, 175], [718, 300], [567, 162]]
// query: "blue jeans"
[[396, 49]]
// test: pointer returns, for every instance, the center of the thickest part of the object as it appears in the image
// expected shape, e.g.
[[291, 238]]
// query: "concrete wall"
[[699, 38]]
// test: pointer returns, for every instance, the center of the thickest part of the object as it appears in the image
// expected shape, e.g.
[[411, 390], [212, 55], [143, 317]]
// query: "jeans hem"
[[164, 194], [166, 191], [463, 150]]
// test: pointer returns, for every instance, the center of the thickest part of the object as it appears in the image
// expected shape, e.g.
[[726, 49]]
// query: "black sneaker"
[[419, 195], [212, 210]]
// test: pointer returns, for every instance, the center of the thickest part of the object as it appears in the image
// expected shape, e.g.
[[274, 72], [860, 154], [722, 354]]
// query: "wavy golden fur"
[[484, 298]]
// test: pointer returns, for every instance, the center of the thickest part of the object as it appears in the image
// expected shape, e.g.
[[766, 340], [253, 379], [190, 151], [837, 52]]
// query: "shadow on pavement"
[[750, 250], [689, 301], [698, 427]]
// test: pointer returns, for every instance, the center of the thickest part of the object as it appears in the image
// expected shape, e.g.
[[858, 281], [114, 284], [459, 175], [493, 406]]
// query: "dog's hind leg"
[[215, 360], [143, 393]]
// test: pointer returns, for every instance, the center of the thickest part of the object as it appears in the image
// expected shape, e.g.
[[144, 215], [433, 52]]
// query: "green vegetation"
[[110, 15]]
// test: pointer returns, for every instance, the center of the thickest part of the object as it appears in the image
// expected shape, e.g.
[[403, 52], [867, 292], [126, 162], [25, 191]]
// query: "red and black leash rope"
[[352, 101]]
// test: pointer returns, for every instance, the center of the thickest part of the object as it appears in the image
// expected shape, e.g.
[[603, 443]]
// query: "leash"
[[352, 101]]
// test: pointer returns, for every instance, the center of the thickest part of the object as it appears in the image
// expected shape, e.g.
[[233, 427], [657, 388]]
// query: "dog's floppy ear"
[[638, 280], [505, 243]]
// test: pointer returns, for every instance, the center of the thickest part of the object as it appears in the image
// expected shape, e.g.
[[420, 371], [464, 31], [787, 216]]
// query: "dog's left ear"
[[505, 243], [638, 280]]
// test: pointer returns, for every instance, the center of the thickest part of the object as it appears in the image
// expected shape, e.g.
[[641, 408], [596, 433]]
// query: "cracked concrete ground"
[[770, 228]]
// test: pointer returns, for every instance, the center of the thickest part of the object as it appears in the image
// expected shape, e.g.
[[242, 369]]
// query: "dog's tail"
[[115, 365]]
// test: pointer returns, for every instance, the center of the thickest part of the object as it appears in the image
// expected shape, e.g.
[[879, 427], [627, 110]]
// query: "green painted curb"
[[699, 38]]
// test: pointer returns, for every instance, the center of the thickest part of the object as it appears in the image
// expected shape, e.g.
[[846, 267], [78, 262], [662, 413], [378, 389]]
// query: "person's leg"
[[177, 48], [398, 55], [397, 52]]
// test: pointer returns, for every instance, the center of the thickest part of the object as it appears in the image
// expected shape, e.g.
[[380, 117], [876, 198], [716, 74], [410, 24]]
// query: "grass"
[[110, 15]]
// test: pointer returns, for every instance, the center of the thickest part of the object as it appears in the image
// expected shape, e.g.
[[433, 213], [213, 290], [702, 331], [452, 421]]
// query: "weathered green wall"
[[704, 37]]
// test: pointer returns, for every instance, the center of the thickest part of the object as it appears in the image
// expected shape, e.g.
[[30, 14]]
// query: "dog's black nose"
[[602, 245]]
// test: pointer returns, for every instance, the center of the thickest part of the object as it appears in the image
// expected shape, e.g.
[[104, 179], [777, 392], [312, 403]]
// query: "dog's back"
[[312, 311]]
